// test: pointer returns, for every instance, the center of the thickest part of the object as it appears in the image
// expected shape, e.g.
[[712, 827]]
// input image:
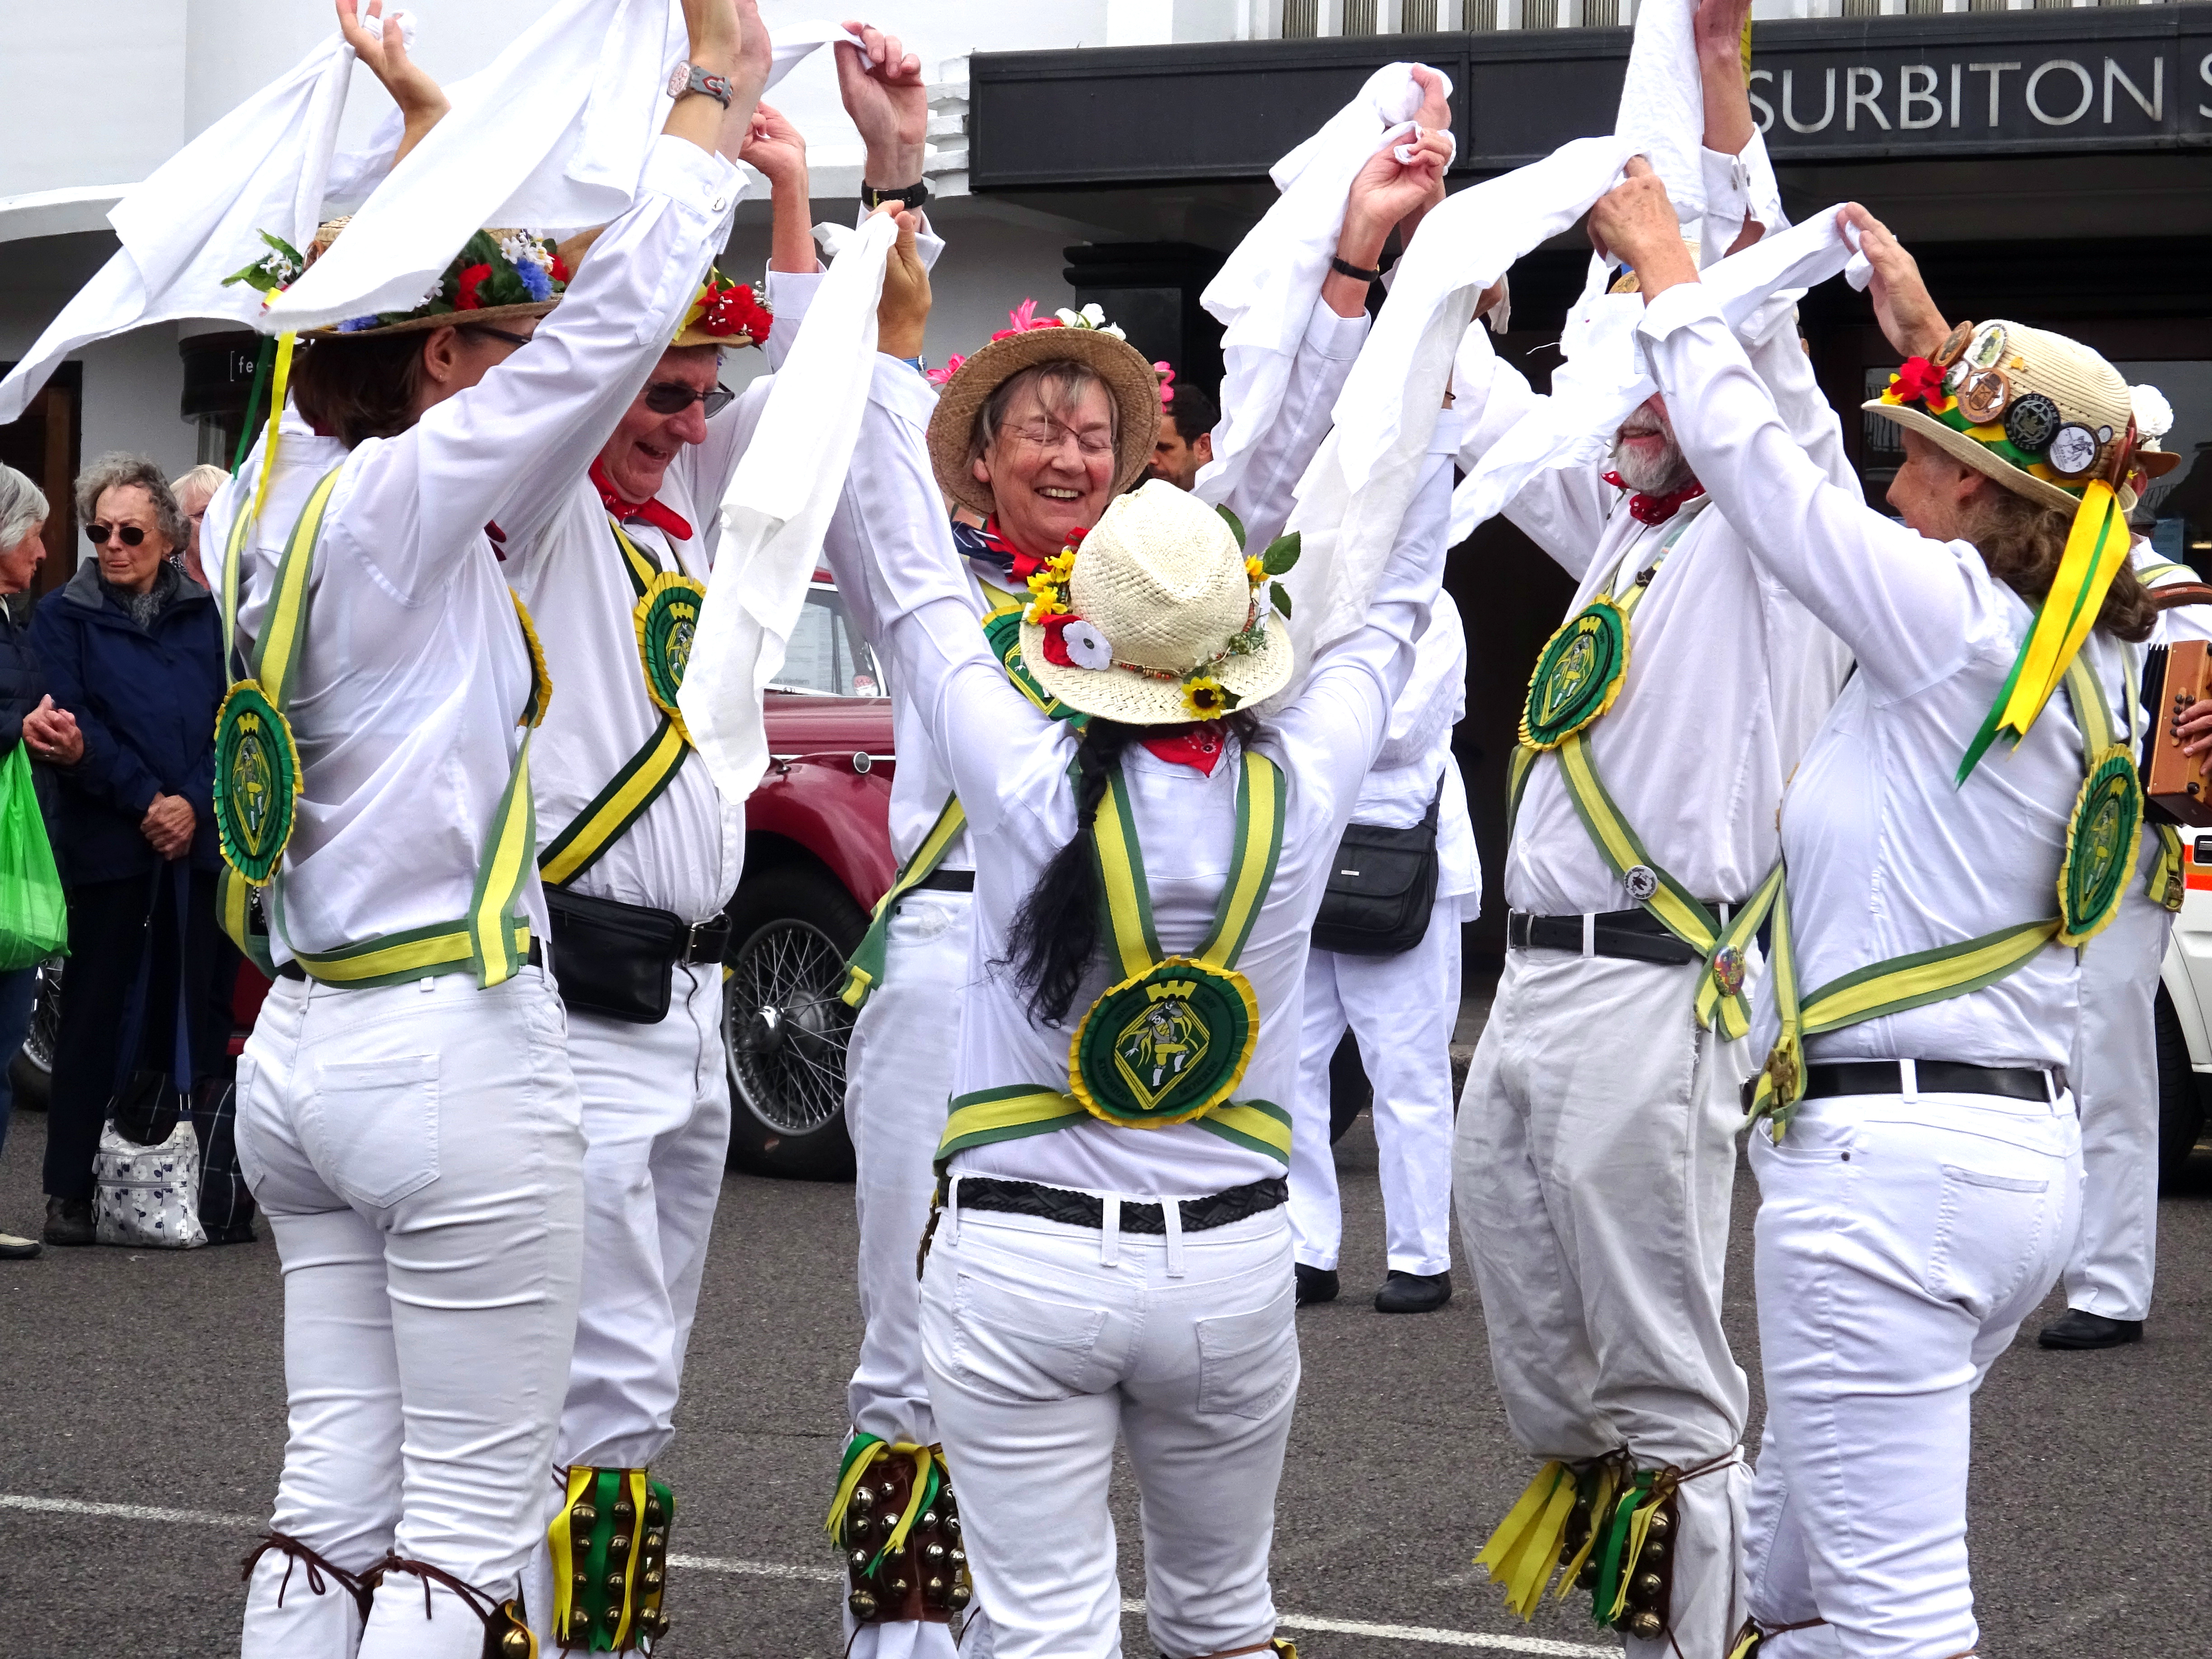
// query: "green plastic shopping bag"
[[33, 917]]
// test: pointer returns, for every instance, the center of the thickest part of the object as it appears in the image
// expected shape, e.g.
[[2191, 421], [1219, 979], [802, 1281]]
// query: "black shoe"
[[1412, 1293], [2080, 1328], [69, 1221], [13, 1249], [1315, 1284], [239, 1232]]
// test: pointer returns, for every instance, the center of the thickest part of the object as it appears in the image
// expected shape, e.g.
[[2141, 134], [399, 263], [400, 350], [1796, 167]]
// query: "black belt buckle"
[[706, 941]]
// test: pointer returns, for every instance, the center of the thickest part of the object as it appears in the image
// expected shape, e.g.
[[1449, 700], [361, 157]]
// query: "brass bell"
[[863, 1498], [515, 1644], [1661, 1524], [656, 1539], [1587, 1578], [859, 1559], [887, 1521], [952, 1525], [890, 1492], [613, 1615], [959, 1596], [862, 1604], [1646, 1627], [934, 1588], [653, 1622], [583, 1583], [1655, 1550], [935, 1552], [651, 1578], [960, 1557], [583, 1515], [654, 1515], [614, 1584], [623, 1510], [928, 1519], [619, 1544], [1648, 1587], [1567, 1548], [899, 1587]]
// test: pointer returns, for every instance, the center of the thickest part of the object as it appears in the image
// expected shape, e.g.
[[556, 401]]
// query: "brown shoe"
[[69, 1221]]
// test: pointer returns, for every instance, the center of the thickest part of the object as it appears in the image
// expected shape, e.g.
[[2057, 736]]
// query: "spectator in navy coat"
[[133, 657], [23, 687]]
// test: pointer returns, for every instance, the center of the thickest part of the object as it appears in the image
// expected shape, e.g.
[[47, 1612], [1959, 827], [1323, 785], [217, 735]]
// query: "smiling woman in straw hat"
[[405, 1104], [1039, 432], [1918, 1159], [1112, 1259]]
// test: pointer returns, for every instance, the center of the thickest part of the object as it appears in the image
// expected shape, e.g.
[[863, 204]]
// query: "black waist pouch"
[[615, 960], [1381, 888]]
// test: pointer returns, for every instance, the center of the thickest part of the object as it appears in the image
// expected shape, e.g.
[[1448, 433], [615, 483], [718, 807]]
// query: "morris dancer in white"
[[1596, 1145], [1919, 1162], [407, 1115], [639, 854], [1038, 431], [1072, 1296], [1401, 1005]]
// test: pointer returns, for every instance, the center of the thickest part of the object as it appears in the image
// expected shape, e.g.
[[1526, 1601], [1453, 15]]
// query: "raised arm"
[[382, 45]]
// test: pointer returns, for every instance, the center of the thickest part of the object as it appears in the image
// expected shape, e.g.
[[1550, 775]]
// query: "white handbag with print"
[[148, 1197]]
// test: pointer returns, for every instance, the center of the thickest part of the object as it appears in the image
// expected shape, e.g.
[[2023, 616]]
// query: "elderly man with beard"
[[1035, 434], [1594, 1150]]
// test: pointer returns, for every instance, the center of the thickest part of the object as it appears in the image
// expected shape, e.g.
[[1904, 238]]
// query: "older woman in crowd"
[[132, 654], [195, 489], [23, 687]]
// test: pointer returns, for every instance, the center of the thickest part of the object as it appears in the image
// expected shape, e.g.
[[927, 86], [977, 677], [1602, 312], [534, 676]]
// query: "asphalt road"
[[152, 1382]]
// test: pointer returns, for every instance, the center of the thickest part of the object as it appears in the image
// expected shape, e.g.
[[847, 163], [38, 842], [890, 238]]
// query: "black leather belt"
[[1931, 1076], [945, 881], [291, 969], [1632, 935], [1089, 1210], [708, 941]]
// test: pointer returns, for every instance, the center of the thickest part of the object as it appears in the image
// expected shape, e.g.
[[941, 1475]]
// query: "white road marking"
[[1417, 1634]]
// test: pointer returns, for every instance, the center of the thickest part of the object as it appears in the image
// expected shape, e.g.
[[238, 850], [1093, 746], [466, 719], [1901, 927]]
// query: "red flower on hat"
[[1055, 641], [1917, 381], [466, 297], [561, 272], [730, 309]]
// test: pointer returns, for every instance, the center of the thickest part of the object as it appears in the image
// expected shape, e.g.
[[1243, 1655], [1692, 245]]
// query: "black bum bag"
[[1381, 888], [618, 961]]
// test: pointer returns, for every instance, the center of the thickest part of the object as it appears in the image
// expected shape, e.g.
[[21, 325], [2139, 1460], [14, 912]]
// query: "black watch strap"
[[913, 195], [1358, 274]]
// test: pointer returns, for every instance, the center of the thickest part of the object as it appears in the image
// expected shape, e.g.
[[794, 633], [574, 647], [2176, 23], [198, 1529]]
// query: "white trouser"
[[1044, 1342], [1900, 1244], [656, 1100], [1402, 1010], [2115, 1078], [898, 1082], [1593, 1163], [418, 1153]]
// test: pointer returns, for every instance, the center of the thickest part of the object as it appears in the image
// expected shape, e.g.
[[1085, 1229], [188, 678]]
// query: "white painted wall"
[[92, 92]]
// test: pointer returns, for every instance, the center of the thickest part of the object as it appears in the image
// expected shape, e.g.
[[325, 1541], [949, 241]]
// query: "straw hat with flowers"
[[1085, 337], [1157, 617]]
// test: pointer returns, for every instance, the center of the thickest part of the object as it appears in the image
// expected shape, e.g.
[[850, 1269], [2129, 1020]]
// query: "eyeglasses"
[[1053, 435], [129, 534], [497, 333], [673, 398]]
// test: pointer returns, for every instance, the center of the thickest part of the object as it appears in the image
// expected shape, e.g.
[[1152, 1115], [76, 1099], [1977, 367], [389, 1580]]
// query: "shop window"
[[1418, 17], [1481, 15], [43, 446], [1601, 14], [1359, 17], [1862, 8], [1301, 19], [1540, 14], [2176, 511]]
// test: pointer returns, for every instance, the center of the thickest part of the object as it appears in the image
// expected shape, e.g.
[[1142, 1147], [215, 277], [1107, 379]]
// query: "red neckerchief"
[[1656, 509], [1199, 745], [666, 520], [1020, 566]]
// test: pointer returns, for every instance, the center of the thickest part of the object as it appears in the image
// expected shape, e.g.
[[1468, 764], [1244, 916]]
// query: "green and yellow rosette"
[[1578, 674], [667, 620], [257, 780], [1167, 1046], [2102, 840]]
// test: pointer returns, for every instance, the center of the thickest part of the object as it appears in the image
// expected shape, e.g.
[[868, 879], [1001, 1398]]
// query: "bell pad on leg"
[[610, 1549], [904, 1560]]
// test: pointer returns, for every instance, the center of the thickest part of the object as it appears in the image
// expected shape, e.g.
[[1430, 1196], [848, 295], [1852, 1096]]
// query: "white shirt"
[[1728, 675], [685, 853], [413, 670], [923, 780], [1416, 759], [1887, 856], [1010, 764]]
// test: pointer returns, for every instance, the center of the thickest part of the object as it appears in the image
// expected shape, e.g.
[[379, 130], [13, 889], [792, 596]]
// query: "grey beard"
[[1666, 471]]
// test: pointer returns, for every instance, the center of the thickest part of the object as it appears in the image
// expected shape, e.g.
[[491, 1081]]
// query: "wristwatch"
[[913, 195], [690, 77]]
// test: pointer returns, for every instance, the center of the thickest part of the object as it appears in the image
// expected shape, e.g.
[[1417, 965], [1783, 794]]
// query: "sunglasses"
[[129, 535], [670, 397]]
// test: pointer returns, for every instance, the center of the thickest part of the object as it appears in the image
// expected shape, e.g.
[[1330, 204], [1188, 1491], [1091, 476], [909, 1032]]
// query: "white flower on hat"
[[1092, 317], [1086, 646], [2153, 415]]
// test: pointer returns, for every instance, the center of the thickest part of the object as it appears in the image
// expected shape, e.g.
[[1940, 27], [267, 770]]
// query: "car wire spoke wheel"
[[787, 1026], [45, 1018]]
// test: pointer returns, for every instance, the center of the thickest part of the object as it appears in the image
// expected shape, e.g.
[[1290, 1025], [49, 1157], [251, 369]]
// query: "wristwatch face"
[[690, 77]]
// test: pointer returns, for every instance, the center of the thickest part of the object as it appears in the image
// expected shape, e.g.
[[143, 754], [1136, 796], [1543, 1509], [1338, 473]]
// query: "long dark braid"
[[1056, 933]]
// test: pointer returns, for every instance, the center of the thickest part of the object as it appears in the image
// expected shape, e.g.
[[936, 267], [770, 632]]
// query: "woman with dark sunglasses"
[[133, 656]]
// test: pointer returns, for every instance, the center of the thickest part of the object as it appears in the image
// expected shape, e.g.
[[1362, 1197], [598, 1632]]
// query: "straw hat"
[[1156, 617], [2040, 414], [498, 275], [1084, 336], [722, 312]]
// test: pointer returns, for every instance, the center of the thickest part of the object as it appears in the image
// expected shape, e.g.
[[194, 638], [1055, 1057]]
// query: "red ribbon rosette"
[[1917, 381]]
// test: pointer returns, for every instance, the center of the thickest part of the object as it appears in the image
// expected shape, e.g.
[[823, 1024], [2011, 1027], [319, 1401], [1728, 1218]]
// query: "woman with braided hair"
[[1110, 1257]]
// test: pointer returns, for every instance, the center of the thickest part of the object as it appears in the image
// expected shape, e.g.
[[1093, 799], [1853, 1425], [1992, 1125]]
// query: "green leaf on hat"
[[1236, 525], [1282, 553], [1281, 596]]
